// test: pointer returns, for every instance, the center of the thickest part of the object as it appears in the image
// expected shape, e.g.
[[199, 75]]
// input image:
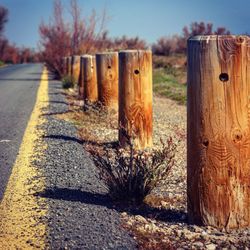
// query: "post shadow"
[[57, 113], [111, 144], [64, 137], [85, 197]]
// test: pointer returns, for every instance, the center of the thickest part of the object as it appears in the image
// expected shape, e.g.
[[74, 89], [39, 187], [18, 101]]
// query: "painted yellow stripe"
[[22, 224]]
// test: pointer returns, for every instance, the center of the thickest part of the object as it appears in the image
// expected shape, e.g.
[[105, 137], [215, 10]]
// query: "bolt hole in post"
[[206, 143], [224, 77], [109, 67], [136, 71]]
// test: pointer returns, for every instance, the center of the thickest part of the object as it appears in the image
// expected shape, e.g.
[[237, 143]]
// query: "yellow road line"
[[22, 224]]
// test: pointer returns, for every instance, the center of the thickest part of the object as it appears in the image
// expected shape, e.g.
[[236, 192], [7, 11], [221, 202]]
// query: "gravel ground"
[[162, 224], [80, 216], [168, 227]]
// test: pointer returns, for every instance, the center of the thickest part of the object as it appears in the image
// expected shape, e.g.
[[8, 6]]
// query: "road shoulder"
[[21, 211], [80, 214]]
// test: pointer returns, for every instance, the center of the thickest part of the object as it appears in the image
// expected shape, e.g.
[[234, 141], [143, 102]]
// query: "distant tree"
[[129, 43], [3, 45], [86, 31], [26, 55], [166, 45], [202, 28], [3, 18], [55, 39], [178, 43], [119, 43], [60, 39], [10, 53]]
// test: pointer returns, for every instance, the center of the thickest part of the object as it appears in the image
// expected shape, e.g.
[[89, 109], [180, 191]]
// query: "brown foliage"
[[9, 53], [105, 43], [60, 39], [83, 35], [178, 44], [166, 45], [129, 43], [55, 40], [3, 18], [203, 29]]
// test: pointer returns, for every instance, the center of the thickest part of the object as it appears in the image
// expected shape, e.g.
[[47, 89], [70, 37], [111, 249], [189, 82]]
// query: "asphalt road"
[[18, 89]]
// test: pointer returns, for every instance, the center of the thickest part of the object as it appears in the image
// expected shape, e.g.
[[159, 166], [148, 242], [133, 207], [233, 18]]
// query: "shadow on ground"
[[57, 113], [63, 137], [111, 144], [77, 195], [99, 199]]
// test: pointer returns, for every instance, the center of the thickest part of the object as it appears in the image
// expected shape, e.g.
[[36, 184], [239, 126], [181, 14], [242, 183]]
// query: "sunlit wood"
[[218, 166]]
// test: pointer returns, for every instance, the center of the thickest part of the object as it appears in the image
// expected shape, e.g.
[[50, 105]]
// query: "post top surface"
[[107, 53], [218, 37], [85, 55], [88, 56], [134, 51]]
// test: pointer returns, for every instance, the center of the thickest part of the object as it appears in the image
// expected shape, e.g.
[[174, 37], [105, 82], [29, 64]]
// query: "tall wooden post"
[[218, 144], [135, 97], [107, 79], [90, 82], [81, 77], [75, 68]]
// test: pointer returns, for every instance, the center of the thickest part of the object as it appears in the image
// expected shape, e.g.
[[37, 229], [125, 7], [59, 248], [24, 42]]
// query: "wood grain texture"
[[75, 68], [81, 77], [135, 97], [107, 79], [218, 144], [90, 81]]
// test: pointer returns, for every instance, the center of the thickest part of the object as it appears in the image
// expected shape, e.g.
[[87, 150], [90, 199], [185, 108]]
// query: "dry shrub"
[[130, 174], [68, 82]]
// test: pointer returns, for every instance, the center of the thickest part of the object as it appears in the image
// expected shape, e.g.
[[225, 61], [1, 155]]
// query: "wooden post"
[[135, 97], [218, 143], [90, 82], [75, 68], [107, 79], [81, 74], [81, 77], [68, 70], [64, 64]]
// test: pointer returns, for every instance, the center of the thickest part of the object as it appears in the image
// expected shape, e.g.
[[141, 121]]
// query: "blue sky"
[[149, 19]]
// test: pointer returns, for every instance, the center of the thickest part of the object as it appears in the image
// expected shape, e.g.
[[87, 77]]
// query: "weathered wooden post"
[[64, 66], [81, 77], [68, 69], [75, 68], [218, 143], [135, 97], [107, 79], [90, 82]]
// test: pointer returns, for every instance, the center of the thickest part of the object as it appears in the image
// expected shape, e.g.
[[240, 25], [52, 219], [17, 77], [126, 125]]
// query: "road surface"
[[18, 89]]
